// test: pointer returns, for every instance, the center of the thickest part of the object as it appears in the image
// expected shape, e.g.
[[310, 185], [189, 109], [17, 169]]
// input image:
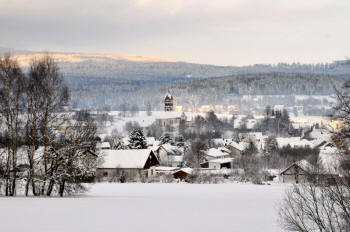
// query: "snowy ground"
[[148, 207]]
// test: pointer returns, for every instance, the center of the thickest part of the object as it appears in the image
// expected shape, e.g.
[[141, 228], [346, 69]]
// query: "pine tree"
[[166, 139], [137, 140], [271, 145]]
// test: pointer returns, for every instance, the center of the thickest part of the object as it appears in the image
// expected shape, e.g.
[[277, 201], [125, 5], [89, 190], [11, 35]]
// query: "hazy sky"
[[225, 32]]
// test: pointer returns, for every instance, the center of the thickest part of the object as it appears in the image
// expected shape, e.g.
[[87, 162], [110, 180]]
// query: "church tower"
[[169, 103]]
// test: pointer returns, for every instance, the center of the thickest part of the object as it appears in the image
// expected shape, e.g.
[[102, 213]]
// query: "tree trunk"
[[50, 188], [62, 185]]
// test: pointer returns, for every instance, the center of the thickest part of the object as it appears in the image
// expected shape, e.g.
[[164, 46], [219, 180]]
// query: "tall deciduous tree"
[[12, 83], [46, 94]]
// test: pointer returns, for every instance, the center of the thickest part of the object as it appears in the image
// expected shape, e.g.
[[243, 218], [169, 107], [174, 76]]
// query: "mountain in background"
[[100, 80]]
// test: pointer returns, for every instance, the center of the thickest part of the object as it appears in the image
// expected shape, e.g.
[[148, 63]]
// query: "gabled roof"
[[302, 164], [135, 158], [236, 145], [171, 149], [186, 170], [216, 152]]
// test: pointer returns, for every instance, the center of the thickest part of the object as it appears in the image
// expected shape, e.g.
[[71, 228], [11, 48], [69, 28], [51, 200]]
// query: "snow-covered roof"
[[187, 170], [135, 158], [169, 115], [293, 142], [320, 133], [221, 141], [330, 160], [150, 140], [105, 145], [171, 149], [303, 164], [239, 146], [215, 152], [221, 161]]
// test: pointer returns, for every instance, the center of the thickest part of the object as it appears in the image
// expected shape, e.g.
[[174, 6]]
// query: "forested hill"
[[99, 80], [230, 89], [218, 90], [275, 83]]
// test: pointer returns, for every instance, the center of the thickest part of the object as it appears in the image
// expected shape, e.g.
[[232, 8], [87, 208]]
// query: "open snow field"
[[148, 207]]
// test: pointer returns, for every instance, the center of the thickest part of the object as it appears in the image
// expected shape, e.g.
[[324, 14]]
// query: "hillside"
[[99, 80]]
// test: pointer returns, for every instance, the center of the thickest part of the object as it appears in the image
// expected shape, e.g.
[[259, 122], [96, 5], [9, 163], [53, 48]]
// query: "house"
[[216, 153], [126, 165], [298, 172], [302, 171], [293, 142], [235, 148], [256, 137], [169, 155], [218, 163]]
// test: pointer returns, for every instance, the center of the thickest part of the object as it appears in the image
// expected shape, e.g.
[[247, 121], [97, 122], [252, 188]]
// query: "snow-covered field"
[[148, 207]]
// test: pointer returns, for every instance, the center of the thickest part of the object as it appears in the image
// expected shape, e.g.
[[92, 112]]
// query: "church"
[[170, 120]]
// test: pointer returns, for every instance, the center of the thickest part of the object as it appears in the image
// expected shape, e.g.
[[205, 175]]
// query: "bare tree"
[[326, 206], [308, 207], [47, 94], [195, 155], [73, 162], [12, 83]]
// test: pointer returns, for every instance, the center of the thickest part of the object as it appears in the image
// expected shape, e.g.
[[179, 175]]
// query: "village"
[[175, 116], [163, 147]]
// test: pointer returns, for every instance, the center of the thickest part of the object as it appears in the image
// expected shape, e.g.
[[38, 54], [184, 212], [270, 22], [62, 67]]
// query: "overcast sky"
[[224, 32]]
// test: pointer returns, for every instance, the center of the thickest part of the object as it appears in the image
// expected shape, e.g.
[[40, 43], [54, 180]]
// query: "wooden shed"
[[298, 172]]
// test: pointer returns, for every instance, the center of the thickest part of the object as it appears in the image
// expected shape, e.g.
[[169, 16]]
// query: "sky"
[[220, 32]]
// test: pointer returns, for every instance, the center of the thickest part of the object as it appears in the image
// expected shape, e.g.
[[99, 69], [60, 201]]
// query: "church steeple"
[[169, 102]]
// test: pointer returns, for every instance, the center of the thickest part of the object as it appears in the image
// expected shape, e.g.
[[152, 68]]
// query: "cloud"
[[231, 31]]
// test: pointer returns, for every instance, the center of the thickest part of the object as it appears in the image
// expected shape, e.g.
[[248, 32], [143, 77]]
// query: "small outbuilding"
[[183, 174], [298, 172]]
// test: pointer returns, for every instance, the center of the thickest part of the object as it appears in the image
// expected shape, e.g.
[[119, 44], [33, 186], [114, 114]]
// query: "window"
[[105, 174]]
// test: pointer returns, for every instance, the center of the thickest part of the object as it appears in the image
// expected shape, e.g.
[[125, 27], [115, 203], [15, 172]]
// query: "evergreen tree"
[[271, 145], [137, 140], [166, 139]]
